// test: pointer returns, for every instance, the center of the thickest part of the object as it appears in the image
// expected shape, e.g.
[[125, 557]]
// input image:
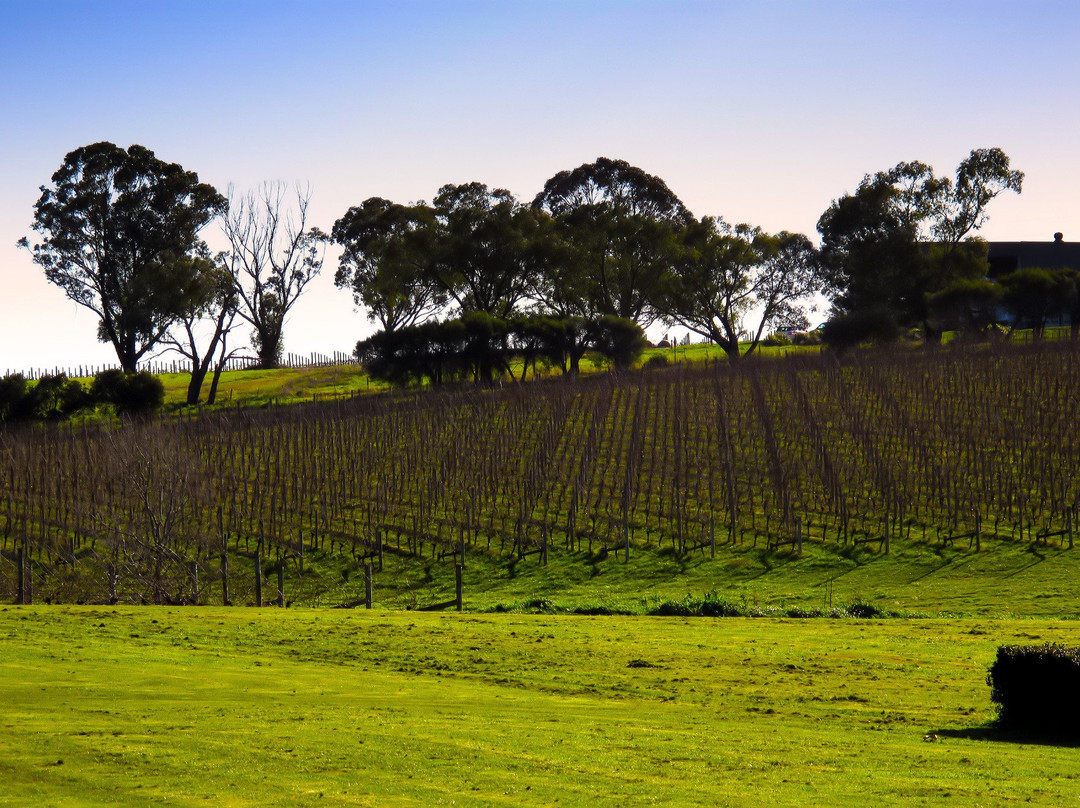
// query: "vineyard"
[[963, 446]]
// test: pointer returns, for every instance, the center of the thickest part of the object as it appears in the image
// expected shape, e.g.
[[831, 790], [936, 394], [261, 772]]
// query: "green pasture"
[[257, 388], [1004, 579], [254, 388], [242, 707]]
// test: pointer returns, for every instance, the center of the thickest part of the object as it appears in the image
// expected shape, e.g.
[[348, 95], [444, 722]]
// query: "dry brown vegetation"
[[966, 443]]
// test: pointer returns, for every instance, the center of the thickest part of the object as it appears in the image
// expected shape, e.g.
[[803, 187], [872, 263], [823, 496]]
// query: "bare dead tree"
[[273, 256]]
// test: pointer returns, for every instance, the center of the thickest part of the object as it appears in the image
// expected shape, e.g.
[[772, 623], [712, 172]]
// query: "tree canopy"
[[388, 253], [726, 278], [906, 235], [120, 235], [619, 225], [484, 250]]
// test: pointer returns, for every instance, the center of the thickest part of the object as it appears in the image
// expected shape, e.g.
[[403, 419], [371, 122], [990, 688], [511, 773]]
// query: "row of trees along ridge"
[[121, 234]]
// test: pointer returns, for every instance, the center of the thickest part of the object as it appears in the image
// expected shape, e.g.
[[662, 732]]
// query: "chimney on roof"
[[1058, 238]]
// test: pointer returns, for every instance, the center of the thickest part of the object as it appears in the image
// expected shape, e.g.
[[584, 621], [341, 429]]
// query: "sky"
[[758, 111]]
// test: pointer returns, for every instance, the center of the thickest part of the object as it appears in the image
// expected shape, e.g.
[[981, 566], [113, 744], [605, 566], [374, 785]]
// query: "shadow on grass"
[[996, 734]]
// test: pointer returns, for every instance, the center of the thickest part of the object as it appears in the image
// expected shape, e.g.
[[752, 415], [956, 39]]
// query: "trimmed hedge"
[[1037, 688]]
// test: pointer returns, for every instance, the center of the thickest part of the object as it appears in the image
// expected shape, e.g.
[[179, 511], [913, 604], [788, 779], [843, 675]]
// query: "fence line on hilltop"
[[288, 360]]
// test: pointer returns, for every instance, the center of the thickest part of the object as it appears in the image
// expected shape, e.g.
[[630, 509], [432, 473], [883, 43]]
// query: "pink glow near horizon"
[[758, 112]]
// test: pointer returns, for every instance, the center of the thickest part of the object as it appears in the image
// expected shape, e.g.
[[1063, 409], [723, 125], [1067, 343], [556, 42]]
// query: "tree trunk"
[[198, 375]]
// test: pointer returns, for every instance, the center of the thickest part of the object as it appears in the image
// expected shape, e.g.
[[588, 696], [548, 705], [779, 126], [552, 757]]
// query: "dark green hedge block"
[[1037, 688]]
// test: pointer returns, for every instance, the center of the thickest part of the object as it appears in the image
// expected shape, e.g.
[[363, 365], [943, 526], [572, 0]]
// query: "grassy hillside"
[[237, 707], [257, 388]]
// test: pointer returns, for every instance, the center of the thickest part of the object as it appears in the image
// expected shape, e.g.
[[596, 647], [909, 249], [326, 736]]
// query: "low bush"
[[132, 394], [656, 362], [776, 340], [51, 398], [1037, 688]]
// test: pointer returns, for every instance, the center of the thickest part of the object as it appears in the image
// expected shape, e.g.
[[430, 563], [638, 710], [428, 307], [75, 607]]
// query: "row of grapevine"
[[972, 442]]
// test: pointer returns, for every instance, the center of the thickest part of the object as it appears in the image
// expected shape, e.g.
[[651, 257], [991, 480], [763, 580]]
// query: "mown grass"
[[241, 707]]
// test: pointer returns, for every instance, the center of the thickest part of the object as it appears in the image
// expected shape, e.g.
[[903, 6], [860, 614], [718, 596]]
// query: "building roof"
[[1006, 256]]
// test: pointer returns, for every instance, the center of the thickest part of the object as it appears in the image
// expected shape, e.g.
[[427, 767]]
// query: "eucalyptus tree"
[[388, 261], [734, 281], [907, 234], [619, 225], [486, 250], [201, 334], [120, 235]]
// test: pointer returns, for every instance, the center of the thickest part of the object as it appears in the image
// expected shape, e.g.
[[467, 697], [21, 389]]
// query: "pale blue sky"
[[755, 111]]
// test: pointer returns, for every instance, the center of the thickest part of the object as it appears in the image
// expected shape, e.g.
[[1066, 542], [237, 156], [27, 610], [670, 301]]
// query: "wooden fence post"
[[225, 576], [195, 582], [281, 585], [458, 588], [21, 562], [258, 577], [886, 534]]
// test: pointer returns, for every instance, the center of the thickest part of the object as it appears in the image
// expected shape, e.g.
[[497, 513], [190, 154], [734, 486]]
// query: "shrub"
[[139, 393], [864, 610], [851, 329], [12, 393], [807, 338], [776, 340], [52, 398], [1037, 688]]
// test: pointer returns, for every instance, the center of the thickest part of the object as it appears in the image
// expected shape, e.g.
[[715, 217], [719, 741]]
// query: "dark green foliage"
[[54, 398], [1035, 295], [619, 340], [776, 340], [51, 398], [12, 392], [388, 261], [657, 362], [131, 394], [731, 283], [713, 605], [119, 228], [1037, 688], [853, 328], [967, 305], [617, 226], [906, 234], [481, 348]]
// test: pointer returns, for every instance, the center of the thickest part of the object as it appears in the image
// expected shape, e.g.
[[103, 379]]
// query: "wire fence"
[[158, 366]]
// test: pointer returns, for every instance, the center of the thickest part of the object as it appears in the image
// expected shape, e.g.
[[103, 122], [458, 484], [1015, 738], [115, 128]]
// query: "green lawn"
[[239, 707]]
